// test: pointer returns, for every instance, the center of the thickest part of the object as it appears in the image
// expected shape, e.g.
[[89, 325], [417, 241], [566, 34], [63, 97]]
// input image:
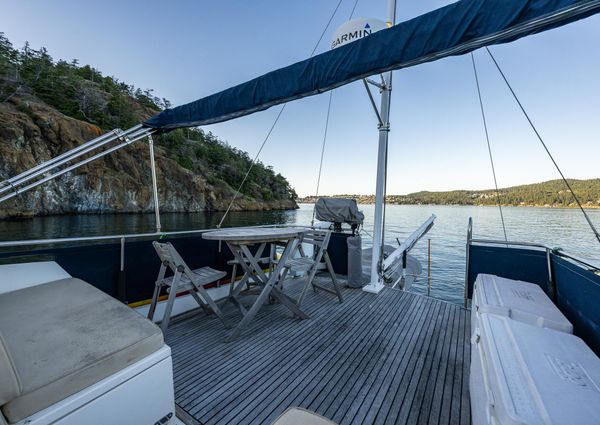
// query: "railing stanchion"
[[551, 284], [154, 184], [469, 238], [121, 287]]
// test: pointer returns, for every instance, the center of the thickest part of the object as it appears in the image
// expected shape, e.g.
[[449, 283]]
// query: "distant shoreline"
[[548, 194], [550, 207]]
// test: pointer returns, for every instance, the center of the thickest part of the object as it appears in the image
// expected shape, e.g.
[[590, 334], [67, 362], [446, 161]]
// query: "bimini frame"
[[75, 158]]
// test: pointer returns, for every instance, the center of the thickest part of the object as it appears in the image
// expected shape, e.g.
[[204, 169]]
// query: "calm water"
[[564, 228]]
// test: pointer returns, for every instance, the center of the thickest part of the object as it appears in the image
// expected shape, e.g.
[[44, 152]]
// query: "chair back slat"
[[182, 274], [318, 238], [169, 256], [317, 261]]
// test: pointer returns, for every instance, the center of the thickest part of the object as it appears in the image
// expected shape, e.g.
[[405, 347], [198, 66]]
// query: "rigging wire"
[[312, 222], [238, 191], [326, 27], [487, 138], [544, 145], [353, 9]]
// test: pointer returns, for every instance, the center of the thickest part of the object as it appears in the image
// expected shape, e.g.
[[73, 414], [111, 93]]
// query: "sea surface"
[[556, 228]]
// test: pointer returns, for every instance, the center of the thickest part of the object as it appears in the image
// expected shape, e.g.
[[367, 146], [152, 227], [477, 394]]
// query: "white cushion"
[[66, 335]]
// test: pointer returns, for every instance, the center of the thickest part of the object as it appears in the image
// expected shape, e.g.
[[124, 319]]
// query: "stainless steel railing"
[[16, 185], [469, 237], [548, 250], [34, 242]]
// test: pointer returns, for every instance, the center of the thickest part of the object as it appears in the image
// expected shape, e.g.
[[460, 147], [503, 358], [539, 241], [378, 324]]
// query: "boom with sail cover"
[[455, 29]]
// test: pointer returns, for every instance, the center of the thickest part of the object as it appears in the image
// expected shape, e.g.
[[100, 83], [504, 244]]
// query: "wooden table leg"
[[239, 256], [264, 295]]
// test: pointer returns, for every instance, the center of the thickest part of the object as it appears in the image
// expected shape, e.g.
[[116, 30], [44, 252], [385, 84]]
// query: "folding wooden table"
[[239, 240]]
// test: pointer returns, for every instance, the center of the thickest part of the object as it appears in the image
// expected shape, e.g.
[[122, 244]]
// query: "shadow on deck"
[[394, 358]]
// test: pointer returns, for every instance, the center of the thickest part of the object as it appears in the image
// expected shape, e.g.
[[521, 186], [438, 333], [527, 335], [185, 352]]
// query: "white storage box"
[[522, 374], [521, 301]]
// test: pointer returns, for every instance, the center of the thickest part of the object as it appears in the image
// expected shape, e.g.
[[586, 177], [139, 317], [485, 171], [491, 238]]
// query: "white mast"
[[376, 283]]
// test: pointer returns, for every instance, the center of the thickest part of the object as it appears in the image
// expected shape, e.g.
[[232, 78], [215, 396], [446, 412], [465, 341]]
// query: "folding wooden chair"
[[184, 279], [312, 264]]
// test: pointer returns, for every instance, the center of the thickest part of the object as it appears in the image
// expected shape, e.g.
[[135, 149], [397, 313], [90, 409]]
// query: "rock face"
[[32, 132]]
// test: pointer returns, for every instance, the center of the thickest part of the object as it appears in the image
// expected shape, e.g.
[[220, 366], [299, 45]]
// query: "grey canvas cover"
[[355, 272], [338, 210]]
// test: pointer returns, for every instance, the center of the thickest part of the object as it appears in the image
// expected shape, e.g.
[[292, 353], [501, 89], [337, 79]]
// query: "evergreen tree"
[[82, 92]]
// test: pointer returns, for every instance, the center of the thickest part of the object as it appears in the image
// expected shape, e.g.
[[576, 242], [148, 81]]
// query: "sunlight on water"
[[564, 228]]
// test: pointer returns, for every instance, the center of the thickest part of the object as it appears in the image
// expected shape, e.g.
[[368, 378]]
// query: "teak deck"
[[392, 358]]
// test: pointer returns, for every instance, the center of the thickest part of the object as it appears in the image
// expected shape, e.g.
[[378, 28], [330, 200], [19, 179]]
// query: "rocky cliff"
[[31, 132]]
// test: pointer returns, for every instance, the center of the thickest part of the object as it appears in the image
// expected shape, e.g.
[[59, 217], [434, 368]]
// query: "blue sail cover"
[[451, 30]]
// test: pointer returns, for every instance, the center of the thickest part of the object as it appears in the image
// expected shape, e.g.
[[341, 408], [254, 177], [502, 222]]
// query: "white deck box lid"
[[537, 375], [23, 275], [522, 301]]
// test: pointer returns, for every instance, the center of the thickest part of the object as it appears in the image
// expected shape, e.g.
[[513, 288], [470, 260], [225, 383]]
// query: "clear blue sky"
[[188, 49]]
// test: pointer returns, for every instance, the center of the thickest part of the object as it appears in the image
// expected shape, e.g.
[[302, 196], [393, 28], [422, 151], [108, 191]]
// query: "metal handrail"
[[535, 245], [547, 249], [577, 260], [65, 157], [122, 240], [33, 242], [129, 136], [517, 243], [25, 175]]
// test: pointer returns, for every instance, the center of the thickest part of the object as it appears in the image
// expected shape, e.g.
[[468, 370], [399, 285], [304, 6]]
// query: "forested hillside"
[[552, 193], [48, 106]]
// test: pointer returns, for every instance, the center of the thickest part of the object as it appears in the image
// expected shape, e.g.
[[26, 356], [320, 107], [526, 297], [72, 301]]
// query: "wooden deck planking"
[[391, 358], [408, 345], [426, 389], [379, 366], [338, 348], [236, 352], [394, 399], [339, 393], [444, 343], [465, 404], [287, 346], [399, 407], [304, 353], [311, 385], [338, 352], [306, 344]]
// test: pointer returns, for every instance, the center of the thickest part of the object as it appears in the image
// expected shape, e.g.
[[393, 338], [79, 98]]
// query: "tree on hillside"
[[82, 92]]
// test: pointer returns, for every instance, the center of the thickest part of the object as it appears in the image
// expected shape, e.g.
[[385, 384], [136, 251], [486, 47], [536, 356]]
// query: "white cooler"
[[523, 374], [521, 301]]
